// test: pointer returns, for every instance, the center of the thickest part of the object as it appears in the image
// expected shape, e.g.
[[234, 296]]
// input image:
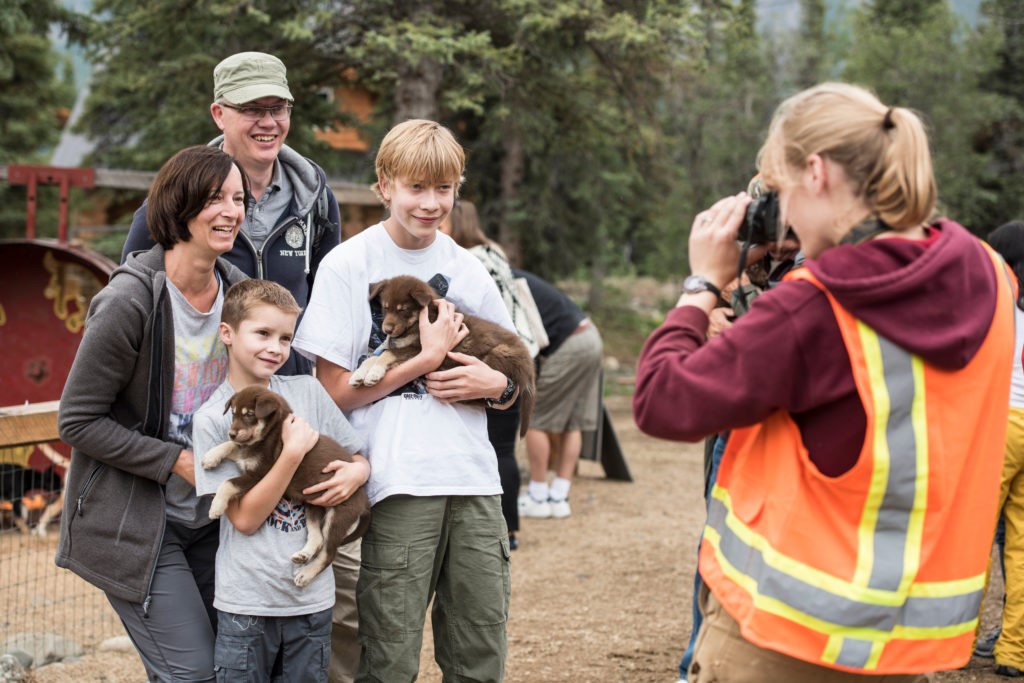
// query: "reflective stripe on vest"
[[884, 589], [873, 604]]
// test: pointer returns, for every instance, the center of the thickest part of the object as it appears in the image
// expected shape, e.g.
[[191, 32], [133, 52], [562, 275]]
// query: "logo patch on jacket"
[[294, 236]]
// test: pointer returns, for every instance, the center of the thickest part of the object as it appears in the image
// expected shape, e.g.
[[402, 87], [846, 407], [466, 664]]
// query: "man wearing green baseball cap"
[[291, 222], [292, 219]]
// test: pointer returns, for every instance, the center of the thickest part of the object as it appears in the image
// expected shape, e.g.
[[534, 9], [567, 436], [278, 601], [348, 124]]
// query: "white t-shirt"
[[254, 572], [1017, 376], [416, 445]]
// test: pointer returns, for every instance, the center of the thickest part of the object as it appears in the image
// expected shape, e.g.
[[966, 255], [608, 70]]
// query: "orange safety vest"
[[880, 570]]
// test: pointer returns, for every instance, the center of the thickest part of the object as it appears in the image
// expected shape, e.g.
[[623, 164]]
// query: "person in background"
[[292, 218], [568, 398], [1008, 240], [865, 395], [150, 355], [463, 226], [736, 299]]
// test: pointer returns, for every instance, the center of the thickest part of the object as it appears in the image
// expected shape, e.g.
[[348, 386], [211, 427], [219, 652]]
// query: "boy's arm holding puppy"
[[348, 476], [249, 512]]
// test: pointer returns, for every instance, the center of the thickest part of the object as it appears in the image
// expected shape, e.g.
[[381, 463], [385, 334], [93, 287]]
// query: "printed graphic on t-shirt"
[[416, 387], [200, 366], [288, 516]]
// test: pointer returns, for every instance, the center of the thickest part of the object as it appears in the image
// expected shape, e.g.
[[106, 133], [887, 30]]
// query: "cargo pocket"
[[487, 580], [231, 659], [381, 591], [506, 570]]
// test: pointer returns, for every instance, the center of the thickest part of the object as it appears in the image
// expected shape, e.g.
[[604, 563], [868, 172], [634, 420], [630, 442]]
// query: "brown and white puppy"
[[402, 298], [255, 446]]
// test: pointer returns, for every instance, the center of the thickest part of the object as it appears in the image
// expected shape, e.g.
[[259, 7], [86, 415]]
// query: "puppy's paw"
[[301, 557], [304, 576], [218, 506], [216, 455], [374, 374], [356, 378]]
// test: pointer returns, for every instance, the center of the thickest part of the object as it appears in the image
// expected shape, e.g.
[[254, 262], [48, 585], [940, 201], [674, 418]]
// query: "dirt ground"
[[603, 596]]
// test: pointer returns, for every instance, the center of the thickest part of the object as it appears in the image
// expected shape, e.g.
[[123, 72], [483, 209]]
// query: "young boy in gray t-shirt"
[[261, 612]]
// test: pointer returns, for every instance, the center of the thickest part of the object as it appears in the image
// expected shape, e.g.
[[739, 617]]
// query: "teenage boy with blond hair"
[[262, 616], [437, 530]]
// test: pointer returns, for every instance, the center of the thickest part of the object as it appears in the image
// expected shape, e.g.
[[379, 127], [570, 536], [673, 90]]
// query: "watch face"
[[694, 284]]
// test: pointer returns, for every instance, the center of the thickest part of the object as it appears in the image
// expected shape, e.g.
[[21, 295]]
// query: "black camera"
[[761, 224]]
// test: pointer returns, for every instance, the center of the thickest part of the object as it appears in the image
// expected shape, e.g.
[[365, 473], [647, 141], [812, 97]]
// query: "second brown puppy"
[[402, 298], [256, 445]]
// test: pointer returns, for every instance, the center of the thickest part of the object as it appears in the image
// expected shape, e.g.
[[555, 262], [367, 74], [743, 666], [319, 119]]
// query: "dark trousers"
[[249, 648], [174, 635], [503, 432]]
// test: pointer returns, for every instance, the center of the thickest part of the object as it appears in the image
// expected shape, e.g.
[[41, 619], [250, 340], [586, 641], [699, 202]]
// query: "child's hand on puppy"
[[297, 437]]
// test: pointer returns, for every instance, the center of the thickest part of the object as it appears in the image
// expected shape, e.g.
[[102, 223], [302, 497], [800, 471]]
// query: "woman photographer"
[[867, 398]]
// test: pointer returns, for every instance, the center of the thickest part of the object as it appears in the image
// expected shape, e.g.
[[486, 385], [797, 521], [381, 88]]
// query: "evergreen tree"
[[902, 49], [34, 97], [1002, 139], [153, 72], [717, 120], [556, 102]]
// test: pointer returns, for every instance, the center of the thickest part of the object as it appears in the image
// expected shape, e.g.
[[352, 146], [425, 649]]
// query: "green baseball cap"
[[248, 76]]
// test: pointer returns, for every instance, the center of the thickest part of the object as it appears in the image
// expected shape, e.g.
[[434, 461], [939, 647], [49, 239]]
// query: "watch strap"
[[510, 389]]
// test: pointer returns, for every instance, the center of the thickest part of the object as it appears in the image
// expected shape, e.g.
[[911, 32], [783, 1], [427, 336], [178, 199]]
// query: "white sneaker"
[[528, 507], [559, 508]]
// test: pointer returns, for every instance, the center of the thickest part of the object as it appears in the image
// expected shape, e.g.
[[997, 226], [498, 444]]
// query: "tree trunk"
[[416, 91], [511, 177]]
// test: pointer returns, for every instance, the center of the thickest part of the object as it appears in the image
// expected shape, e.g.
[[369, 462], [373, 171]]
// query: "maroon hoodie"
[[935, 298]]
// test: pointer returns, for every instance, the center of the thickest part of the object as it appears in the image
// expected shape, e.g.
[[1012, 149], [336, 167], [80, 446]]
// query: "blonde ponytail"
[[904, 193], [883, 150]]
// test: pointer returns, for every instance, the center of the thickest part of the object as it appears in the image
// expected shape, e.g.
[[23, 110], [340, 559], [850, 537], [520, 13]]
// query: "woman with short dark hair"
[[150, 356]]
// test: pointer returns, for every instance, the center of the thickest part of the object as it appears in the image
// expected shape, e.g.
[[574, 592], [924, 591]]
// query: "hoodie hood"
[[146, 266], [307, 178], [906, 289]]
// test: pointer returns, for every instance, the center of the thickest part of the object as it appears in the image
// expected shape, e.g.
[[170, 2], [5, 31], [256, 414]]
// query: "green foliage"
[[153, 72], [902, 48], [595, 129], [583, 103], [1000, 136], [33, 97], [716, 120]]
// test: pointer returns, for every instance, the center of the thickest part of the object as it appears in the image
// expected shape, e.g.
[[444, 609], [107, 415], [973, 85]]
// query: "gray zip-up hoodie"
[[114, 413]]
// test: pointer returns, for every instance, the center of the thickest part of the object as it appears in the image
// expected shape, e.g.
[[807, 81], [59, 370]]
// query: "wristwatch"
[[695, 284], [505, 396]]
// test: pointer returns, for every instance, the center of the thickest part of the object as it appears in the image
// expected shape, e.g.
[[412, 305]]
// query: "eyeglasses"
[[278, 112]]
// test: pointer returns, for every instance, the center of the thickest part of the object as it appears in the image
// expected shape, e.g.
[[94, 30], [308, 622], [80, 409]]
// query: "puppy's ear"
[[267, 405], [424, 295], [229, 404], [375, 288]]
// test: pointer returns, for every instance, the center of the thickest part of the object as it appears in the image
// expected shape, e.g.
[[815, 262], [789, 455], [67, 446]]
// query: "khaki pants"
[[723, 656], [454, 550], [345, 616], [1010, 647]]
